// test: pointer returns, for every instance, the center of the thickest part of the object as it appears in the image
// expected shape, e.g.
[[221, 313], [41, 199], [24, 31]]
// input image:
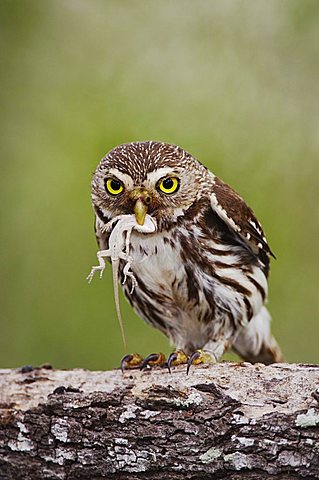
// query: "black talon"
[[192, 357], [125, 360], [170, 360], [152, 357]]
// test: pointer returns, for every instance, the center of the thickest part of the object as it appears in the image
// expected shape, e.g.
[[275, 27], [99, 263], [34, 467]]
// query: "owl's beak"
[[141, 206]]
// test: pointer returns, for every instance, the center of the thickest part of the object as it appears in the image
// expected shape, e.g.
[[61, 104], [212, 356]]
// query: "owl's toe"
[[176, 358], [199, 356], [153, 359], [130, 361]]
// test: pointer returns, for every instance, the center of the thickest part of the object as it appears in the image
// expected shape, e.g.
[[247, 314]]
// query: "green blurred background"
[[234, 82]]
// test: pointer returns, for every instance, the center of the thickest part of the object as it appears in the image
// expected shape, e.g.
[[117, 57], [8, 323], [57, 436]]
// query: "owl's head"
[[147, 177]]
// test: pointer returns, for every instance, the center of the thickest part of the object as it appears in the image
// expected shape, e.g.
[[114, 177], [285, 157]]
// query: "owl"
[[199, 271]]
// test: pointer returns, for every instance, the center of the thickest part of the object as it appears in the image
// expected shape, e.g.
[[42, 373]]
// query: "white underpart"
[[236, 274], [119, 249], [162, 269]]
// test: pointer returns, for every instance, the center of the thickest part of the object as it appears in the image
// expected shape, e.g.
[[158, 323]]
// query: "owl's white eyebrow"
[[153, 177], [126, 179]]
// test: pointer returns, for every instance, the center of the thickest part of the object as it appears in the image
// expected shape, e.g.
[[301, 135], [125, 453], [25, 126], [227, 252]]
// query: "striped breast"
[[196, 281]]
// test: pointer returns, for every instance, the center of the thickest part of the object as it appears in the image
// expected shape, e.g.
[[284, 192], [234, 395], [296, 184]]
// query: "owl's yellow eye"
[[113, 186], [169, 185]]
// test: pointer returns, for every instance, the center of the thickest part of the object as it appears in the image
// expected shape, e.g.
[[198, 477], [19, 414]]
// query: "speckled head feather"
[[138, 159]]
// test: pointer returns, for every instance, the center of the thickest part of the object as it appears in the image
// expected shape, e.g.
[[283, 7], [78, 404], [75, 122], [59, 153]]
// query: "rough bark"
[[225, 421]]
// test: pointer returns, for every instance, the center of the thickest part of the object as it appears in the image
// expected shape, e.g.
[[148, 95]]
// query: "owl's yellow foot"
[[176, 358], [153, 359], [135, 360], [199, 356], [131, 361]]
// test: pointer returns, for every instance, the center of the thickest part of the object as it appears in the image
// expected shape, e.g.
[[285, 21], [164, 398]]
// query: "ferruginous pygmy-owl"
[[195, 258]]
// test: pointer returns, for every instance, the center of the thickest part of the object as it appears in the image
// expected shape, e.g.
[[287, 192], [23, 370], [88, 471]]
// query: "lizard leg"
[[100, 254], [127, 272], [127, 241]]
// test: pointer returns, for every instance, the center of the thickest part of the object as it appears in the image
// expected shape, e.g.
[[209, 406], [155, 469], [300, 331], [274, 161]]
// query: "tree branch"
[[224, 421]]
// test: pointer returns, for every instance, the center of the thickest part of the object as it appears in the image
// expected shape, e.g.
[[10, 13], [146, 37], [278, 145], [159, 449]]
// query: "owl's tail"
[[255, 342]]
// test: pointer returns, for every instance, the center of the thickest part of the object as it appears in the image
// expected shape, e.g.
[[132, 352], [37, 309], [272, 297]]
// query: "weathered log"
[[224, 421]]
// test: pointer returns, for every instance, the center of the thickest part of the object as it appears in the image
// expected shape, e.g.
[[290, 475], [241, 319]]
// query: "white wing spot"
[[223, 213], [256, 227]]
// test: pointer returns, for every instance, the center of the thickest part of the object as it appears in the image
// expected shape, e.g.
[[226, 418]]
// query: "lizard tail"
[[115, 269]]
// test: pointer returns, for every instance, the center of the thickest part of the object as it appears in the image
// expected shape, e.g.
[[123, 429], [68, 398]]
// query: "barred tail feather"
[[255, 342]]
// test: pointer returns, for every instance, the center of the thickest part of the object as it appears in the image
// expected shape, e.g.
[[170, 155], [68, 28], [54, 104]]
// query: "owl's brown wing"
[[239, 218]]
